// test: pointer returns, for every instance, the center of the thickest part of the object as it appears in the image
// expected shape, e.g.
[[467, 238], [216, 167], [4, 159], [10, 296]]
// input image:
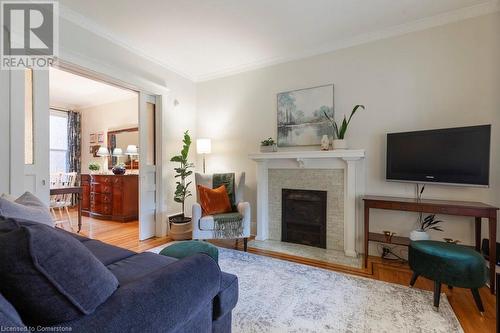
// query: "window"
[[58, 141]]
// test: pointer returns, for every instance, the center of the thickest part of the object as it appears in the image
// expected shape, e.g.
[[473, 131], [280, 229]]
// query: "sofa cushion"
[[138, 266], [27, 207], [227, 297], [107, 254], [8, 315], [49, 276]]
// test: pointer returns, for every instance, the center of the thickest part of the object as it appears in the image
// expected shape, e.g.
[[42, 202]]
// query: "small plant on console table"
[[268, 146], [180, 225], [426, 224], [339, 141]]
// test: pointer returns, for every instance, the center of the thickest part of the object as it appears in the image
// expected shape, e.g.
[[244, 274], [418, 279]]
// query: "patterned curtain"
[[74, 156]]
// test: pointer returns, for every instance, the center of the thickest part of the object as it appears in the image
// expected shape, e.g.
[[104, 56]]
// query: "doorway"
[[103, 140]]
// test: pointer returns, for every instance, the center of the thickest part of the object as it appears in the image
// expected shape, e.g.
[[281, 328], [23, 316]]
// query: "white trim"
[[353, 185], [485, 8], [418, 25], [89, 25]]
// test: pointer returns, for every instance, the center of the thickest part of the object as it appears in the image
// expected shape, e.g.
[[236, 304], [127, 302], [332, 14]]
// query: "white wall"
[[442, 77], [103, 118]]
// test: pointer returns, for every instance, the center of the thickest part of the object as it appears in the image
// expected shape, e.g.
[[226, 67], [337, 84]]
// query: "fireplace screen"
[[303, 218]]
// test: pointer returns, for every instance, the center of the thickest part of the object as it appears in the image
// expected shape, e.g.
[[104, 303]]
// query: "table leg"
[[492, 224], [478, 234], [367, 230], [79, 196]]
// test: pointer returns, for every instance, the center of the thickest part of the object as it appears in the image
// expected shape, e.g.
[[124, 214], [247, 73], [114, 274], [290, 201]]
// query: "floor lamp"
[[204, 147]]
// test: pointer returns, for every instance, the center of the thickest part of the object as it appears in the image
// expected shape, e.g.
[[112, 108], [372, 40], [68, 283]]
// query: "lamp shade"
[[203, 146], [117, 152], [131, 150], [103, 151]]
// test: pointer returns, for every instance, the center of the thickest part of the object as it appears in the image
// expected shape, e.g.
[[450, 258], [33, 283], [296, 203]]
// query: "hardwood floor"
[[126, 235]]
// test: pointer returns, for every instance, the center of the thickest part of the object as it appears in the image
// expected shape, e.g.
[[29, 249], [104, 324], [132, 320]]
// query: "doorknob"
[[44, 182]]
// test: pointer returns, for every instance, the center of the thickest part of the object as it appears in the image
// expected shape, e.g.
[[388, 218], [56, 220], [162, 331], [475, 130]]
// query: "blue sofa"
[[156, 294]]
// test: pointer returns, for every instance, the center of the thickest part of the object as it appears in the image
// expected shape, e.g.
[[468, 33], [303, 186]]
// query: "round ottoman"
[[188, 248], [451, 264]]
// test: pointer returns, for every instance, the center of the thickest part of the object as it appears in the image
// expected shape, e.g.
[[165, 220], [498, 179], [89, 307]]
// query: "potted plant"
[[339, 141], [268, 146], [429, 223], [180, 225], [94, 167]]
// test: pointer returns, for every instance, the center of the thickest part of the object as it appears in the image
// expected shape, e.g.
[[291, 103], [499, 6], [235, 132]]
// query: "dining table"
[[77, 191]]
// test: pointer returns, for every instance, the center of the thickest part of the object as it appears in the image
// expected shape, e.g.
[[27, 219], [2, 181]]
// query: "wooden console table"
[[477, 210]]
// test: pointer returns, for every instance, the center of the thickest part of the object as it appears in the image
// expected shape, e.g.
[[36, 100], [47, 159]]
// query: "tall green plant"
[[182, 188], [339, 132]]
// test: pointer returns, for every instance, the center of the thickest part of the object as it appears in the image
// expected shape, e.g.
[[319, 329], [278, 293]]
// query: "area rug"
[[281, 296]]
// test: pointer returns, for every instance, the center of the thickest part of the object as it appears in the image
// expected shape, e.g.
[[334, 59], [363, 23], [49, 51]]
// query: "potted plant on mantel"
[[180, 225], [268, 146], [339, 141]]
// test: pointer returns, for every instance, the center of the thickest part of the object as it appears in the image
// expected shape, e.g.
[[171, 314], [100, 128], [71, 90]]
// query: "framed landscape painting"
[[301, 116]]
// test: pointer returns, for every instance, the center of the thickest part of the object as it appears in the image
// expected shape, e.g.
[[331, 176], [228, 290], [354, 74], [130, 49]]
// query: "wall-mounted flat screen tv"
[[459, 156]]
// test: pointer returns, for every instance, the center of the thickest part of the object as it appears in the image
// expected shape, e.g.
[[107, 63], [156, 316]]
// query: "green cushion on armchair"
[[188, 248], [451, 264]]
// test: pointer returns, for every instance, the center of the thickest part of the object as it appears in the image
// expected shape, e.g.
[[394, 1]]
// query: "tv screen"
[[453, 156]]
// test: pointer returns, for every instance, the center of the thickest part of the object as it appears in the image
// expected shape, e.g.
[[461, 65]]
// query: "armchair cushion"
[[214, 201]]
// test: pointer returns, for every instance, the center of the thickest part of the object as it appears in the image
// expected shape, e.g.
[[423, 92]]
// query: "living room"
[[383, 224]]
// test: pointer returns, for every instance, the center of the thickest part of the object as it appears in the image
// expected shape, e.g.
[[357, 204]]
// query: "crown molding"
[[87, 24], [485, 8], [418, 25]]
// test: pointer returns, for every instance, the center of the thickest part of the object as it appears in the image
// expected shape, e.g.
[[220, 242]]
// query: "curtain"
[[74, 155]]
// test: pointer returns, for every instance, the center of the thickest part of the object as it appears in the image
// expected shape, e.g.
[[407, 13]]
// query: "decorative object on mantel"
[[325, 142], [339, 141], [301, 115], [180, 225], [268, 146]]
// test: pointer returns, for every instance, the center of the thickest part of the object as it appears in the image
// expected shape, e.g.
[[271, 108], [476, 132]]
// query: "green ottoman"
[[188, 248], [451, 264]]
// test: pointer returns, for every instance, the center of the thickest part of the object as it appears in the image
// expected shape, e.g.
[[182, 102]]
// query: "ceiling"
[[73, 92], [204, 39]]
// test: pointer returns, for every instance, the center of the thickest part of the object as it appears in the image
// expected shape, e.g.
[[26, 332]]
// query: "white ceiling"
[[75, 92], [204, 39]]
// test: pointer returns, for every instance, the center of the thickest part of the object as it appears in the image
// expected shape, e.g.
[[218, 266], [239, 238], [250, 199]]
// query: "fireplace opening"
[[303, 218]]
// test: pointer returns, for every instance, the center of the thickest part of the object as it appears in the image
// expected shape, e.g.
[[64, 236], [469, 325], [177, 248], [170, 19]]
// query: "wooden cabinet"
[[111, 197]]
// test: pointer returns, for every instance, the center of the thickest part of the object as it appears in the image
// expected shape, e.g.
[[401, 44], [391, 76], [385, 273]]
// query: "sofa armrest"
[[245, 210], [161, 302]]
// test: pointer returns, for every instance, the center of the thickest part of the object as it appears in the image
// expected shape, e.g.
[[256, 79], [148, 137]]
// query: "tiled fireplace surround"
[[329, 180], [337, 172]]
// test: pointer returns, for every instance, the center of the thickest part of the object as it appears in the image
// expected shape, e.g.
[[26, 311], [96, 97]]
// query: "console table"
[[477, 210]]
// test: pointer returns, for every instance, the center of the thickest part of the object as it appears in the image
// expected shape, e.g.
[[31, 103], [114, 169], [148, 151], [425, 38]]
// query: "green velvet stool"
[[188, 248], [451, 264]]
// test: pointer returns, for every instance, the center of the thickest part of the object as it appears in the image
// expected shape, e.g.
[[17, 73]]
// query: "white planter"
[[269, 149], [340, 144], [417, 235]]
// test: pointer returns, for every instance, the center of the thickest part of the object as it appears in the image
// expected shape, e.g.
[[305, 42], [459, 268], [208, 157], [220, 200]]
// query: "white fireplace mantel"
[[332, 159]]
